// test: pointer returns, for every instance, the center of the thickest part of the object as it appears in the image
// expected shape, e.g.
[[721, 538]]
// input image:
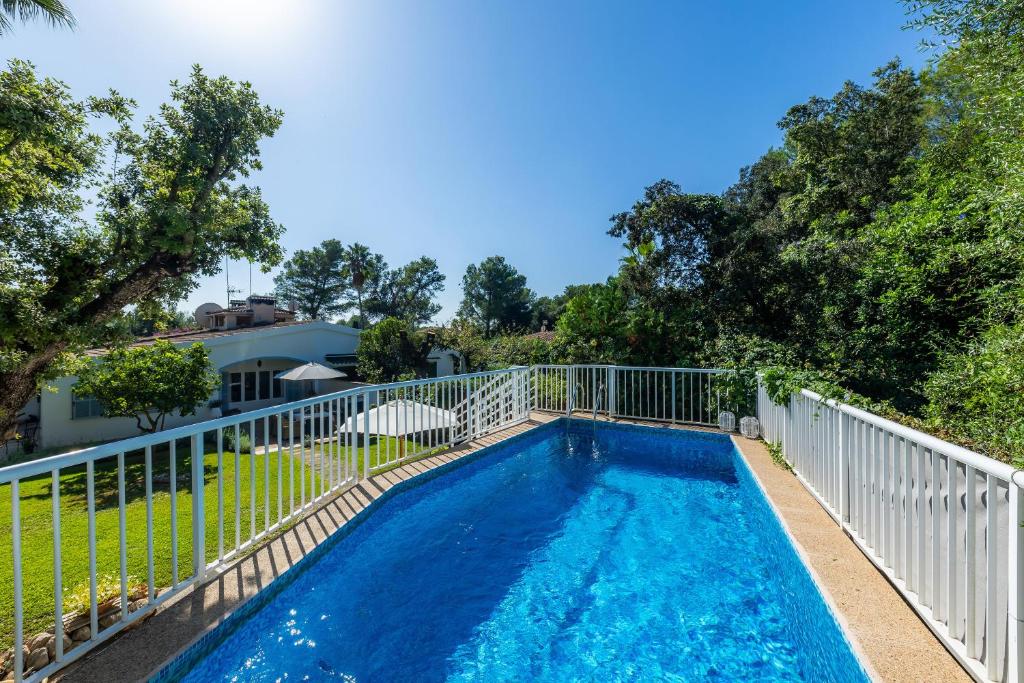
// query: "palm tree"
[[360, 265], [53, 11]]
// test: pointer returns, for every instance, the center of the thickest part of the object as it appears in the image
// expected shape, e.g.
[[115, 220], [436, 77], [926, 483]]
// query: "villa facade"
[[250, 342]]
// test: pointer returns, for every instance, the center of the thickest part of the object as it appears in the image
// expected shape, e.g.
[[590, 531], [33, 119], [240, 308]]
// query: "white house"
[[249, 342], [443, 362]]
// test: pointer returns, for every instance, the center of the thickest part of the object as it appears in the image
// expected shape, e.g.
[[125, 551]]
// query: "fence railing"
[[682, 395], [120, 528], [159, 512], [943, 522]]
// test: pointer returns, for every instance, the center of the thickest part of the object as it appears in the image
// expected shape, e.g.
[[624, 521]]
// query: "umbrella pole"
[[401, 447]]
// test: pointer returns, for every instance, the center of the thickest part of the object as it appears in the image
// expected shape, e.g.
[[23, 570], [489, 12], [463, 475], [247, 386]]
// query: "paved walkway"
[[888, 633]]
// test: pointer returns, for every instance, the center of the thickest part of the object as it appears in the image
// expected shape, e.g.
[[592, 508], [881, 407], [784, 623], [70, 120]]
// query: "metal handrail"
[[968, 457], [570, 403], [136, 443]]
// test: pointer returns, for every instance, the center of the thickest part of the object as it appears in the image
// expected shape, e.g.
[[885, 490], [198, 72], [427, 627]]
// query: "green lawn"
[[37, 527]]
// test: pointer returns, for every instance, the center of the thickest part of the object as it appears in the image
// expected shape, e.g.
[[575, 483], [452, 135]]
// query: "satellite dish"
[[203, 310]]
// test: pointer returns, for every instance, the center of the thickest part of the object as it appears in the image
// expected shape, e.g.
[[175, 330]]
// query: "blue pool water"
[[564, 555]]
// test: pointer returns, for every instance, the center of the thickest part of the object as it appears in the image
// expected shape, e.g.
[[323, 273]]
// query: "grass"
[[778, 457], [37, 522]]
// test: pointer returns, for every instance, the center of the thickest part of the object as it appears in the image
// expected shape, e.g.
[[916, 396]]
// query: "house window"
[[277, 387], [264, 384], [236, 387], [84, 407], [250, 386]]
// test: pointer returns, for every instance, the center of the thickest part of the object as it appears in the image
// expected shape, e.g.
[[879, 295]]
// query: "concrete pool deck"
[[897, 645]]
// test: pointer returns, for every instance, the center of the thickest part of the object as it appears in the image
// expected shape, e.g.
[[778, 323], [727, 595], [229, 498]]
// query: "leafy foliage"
[[778, 457], [463, 337], [979, 394], [874, 257], [547, 310], [54, 12], [406, 293], [167, 211], [315, 280], [393, 350], [509, 350], [495, 296], [150, 382]]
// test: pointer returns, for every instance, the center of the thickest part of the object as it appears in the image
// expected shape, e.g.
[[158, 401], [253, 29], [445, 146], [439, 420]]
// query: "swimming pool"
[[568, 553]]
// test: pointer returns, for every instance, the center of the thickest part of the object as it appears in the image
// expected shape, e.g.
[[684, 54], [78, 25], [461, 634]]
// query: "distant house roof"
[[191, 336], [543, 335]]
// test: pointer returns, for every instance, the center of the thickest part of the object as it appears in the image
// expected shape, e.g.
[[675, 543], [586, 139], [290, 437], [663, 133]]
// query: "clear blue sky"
[[460, 130]]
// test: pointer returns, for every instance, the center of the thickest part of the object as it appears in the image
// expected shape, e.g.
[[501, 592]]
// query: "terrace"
[[859, 509]]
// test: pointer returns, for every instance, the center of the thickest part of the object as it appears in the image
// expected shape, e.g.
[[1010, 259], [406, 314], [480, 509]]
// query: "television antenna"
[[227, 280]]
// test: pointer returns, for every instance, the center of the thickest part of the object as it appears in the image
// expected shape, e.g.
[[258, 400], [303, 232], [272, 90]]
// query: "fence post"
[[569, 372], [198, 509], [366, 432], [530, 379], [612, 391], [1015, 588], [673, 376], [844, 468], [469, 410]]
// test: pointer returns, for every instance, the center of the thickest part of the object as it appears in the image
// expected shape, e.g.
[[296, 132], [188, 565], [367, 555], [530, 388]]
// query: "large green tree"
[[495, 296], [315, 281], [170, 206], [877, 248], [392, 350], [148, 383], [406, 293], [360, 266]]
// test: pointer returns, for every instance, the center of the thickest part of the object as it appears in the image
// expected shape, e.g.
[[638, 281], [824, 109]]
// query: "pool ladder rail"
[[570, 403], [597, 400], [574, 396]]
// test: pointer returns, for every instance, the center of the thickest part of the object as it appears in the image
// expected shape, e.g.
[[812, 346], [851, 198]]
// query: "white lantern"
[[750, 428], [727, 421]]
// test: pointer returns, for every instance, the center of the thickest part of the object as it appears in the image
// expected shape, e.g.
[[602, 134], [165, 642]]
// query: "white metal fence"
[[942, 522], [683, 395], [164, 519]]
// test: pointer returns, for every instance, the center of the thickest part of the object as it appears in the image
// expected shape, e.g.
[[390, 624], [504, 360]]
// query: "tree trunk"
[[19, 387]]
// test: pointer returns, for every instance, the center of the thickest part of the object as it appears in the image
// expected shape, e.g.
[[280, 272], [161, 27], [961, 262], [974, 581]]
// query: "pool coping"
[[830, 602]]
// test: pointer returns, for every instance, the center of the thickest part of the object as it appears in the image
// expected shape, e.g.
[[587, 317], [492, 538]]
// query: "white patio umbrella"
[[401, 418], [311, 372]]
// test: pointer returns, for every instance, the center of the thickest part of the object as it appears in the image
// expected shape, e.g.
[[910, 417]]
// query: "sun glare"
[[237, 23]]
